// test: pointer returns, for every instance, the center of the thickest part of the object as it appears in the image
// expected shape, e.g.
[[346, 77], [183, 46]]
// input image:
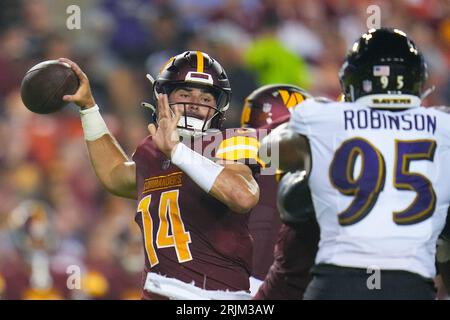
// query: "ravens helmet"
[[384, 69], [198, 70], [270, 103]]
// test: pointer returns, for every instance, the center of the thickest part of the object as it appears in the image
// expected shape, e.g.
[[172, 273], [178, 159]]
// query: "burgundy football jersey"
[[265, 220], [294, 256], [188, 234], [283, 254], [264, 226]]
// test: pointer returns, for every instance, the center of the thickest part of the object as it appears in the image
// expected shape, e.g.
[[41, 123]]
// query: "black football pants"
[[332, 282]]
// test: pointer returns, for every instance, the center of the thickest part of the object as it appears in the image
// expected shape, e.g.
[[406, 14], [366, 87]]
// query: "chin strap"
[[152, 108], [150, 78], [148, 105]]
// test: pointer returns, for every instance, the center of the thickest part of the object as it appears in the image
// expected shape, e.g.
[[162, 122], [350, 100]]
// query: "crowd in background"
[[53, 212]]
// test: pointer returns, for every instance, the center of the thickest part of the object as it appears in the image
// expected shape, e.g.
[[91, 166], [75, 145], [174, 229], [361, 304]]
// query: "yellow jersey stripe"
[[237, 154], [236, 148], [239, 140], [239, 147]]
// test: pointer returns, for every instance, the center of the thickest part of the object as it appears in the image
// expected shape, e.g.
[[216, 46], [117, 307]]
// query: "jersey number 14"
[[169, 211]]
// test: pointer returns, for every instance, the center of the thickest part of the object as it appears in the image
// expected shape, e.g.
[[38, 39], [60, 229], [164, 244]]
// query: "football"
[[45, 84]]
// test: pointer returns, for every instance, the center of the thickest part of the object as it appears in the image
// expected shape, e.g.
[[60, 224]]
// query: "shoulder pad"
[[440, 108]]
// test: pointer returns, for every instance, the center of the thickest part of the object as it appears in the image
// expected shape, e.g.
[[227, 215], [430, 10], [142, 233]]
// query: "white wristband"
[[201, 170], [93, 124]]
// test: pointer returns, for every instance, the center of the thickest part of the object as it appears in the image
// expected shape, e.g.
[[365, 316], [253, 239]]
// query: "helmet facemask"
[[197, 123], [192, 122]]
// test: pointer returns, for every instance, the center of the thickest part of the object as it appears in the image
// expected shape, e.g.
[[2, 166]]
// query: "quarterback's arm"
[[229, 182], [114, 169], [112, 166], [236, 187]]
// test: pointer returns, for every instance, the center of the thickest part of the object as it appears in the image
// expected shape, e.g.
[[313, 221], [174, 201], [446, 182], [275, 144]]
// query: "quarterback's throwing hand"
[[165, 135], [83, 97]]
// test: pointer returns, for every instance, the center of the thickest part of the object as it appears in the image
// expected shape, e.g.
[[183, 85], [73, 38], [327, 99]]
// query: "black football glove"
[[294, 198]]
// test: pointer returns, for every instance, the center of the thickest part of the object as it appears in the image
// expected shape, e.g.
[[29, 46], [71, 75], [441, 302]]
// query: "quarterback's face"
[[191, 98]]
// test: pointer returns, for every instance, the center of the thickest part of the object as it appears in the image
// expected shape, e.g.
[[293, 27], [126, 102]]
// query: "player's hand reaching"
[[165, 135], [83, 97]]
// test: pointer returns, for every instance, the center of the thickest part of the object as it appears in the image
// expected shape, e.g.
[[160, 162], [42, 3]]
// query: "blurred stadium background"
[[53, 213]]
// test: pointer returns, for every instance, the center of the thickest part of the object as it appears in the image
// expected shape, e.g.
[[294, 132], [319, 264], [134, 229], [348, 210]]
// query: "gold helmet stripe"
[[246, 112], [199, 61], [166, 64]]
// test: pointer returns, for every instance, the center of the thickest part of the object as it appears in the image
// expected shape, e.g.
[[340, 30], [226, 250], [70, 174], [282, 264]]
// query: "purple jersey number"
[[425, 201], [366, 187]]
